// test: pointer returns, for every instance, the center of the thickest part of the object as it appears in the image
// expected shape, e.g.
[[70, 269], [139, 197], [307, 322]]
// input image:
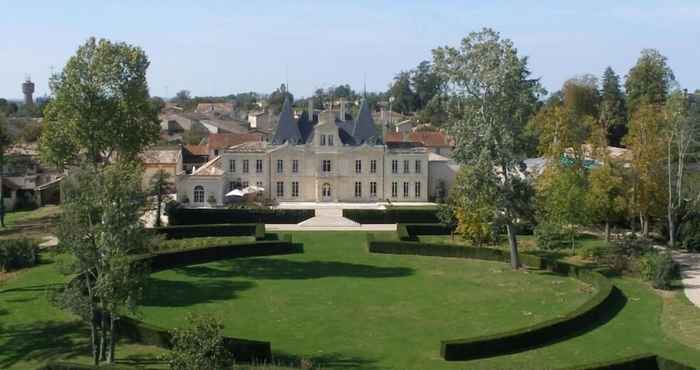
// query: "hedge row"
[[643, 361], [520, 339], [73, 366], [202, 216], [392, 216], [412, 231], [240, 349], [195, 231]]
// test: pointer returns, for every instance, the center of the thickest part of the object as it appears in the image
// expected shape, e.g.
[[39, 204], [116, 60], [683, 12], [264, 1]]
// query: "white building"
[[330, 160]]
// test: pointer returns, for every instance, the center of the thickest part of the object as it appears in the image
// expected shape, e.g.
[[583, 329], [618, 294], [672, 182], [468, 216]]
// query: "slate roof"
[[364, 130], [287, 128]]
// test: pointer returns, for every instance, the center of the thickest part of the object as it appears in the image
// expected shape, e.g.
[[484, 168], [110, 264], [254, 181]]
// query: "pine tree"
[[613, 111]]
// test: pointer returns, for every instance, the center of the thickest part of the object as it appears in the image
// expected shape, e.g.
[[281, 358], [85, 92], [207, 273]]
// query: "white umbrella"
[[252, 189], [235, 193]]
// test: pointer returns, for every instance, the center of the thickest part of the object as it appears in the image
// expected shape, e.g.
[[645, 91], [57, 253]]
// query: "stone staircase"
[[331, 218]]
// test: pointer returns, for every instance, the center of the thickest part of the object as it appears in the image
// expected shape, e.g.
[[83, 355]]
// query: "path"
[[690, 273], [330, 218]]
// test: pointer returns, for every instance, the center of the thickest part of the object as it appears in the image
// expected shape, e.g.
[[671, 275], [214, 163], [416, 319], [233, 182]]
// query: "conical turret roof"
[[287, 128], [364, 128]]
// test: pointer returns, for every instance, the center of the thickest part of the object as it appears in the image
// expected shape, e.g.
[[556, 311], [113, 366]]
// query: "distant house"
[[403, 126], [263, 120], [217, 142], [194, 156], [26, 182], [215, 108], [437, 141], [167, 158], [180, 122]]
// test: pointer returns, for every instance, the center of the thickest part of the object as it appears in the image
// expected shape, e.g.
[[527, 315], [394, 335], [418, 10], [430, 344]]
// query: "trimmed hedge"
[[195, 231], [392, 216], [520, 339], [644, 361], [73, 366], [211, 216], [240, 349], [412, 231]]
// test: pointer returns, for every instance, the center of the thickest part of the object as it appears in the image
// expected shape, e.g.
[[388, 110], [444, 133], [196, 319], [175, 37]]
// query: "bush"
[[200, 346], [393, 216], [594, 252], [18, 253], [689, 232], [179, 215], [660, 269], [412, 231], [194, 231], [550, 235]]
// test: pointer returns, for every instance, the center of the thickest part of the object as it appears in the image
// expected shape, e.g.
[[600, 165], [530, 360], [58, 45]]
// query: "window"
[[372, 189], [330, 140], [394, 166], [326, 165], [198, 194], [295, 189], [244, 184], [406, 166], [245, 166], [323, 139], [417, 189], [373, 166], [295, 166], [418, 166], [358, 166], [258, 165], [405, 190], [232, 165], [394, 189], [280, 189], [259, 184], [280, 166], [326, 190], [358, 189]]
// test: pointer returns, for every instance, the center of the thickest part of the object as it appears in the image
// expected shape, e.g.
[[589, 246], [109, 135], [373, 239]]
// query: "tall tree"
[[647, 141], [159, 184], [649, 81], [491, 97], [683, 133], [5, 142], [613, 111], [100, 106], [581, 96], [182, 98], [426, 84], [402, 92], [100, 230]]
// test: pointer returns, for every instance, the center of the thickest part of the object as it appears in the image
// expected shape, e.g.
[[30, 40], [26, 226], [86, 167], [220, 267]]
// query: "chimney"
[[342, 109], [310, 110]]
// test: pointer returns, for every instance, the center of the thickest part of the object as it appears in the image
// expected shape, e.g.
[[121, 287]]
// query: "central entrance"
[[326, 192]]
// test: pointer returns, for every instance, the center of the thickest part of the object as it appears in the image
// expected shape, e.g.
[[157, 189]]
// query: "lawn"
[[35, 224], [356, 310]]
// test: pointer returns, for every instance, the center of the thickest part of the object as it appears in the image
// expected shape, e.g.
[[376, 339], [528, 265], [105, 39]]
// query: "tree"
[[199, 346], [401, 91], [100, 106], [100, 230], [426, 84], [182, 98], [159, 185], [647, 141], [491, 100], [5, 141], [683, 132], [613, 111], [649, 81], [581, 96]]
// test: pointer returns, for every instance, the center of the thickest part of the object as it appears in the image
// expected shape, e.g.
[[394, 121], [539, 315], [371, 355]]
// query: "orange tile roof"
[[197, 149], [424, 138], [222, 141]]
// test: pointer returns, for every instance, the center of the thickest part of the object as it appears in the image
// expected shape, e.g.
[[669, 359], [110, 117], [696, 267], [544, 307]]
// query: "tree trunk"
[[93, 324], [671, 231], [159, 200], [607, 231], [103, 335], [514, 257], [112, 340], [573, 242], [645, 226]]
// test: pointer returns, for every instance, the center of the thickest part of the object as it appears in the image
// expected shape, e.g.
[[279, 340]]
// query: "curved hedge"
[[520, 339], [211, 216], [194, 231], [240, 349], [645, 361], [412, 231]]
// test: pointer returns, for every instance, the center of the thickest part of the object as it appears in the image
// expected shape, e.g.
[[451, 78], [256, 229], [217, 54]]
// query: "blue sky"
[[234, 46]]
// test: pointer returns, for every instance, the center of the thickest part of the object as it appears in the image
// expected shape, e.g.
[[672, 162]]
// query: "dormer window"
[[323, 139], [330, 140]]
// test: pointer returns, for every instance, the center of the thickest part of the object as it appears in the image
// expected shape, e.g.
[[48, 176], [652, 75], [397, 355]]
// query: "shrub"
[[199, 346], [194, 231], [689, 232], [179, 215], [392, 215], [550, 235], [594, 252], [18, 253], [660, 269]]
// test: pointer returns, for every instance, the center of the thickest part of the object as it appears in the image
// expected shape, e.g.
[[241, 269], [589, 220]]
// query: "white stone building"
[[323, 160]]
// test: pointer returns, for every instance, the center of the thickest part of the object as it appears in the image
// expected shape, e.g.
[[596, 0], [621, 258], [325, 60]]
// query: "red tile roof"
[[222, 141], [424, 138], [197, 149]]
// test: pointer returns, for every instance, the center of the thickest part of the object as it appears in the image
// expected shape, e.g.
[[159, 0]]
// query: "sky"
[[224, 47]]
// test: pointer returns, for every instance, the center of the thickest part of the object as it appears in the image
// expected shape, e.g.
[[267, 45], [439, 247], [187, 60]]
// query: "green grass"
[[340, 306], [35, 224]]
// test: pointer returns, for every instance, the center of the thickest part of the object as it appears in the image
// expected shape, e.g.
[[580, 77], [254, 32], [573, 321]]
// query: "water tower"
[[28, 91]]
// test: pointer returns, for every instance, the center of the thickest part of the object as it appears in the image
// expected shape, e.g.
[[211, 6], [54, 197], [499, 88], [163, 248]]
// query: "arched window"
[[198, 194]]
